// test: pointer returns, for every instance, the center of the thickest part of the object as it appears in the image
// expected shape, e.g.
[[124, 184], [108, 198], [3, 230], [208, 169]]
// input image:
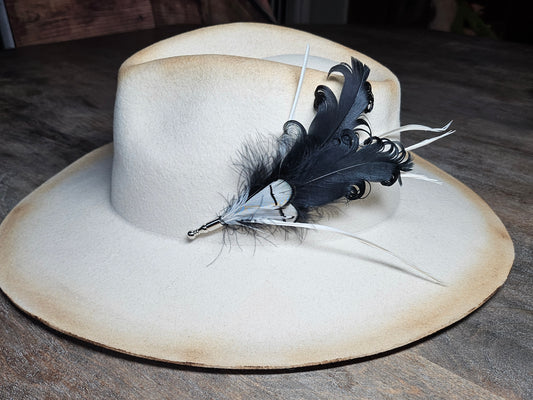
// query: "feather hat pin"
[[337, 157]]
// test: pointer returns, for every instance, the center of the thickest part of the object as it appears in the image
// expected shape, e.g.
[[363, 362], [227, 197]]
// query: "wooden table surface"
[[56, 104]]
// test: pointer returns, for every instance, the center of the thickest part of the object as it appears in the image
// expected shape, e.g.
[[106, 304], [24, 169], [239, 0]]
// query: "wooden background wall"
[[45, 21]]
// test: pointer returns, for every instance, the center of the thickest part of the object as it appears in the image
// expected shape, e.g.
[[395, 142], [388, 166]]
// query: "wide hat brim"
[[68, 259]]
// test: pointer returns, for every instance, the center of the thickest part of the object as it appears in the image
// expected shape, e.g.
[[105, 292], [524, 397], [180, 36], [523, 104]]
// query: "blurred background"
[[28, 22]]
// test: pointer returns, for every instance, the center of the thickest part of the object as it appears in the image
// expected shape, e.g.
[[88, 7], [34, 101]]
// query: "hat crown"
[[181, 120]]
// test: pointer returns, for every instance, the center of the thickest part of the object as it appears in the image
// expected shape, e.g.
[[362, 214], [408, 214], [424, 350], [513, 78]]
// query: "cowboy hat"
[[101, 252]]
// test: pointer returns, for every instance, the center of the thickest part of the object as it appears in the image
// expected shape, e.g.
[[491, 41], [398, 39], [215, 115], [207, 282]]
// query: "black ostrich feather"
[[313, 168], [330, 161]]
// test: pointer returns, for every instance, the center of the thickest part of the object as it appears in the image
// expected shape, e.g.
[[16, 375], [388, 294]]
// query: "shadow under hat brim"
[[68, 259]]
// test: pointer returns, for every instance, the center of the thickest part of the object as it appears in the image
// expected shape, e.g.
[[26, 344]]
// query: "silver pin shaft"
[[207, 227]]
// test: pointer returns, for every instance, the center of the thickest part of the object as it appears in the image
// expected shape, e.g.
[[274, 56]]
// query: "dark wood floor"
[[56, 104]]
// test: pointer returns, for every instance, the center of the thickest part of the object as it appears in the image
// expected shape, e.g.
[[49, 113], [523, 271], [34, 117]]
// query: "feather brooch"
[[337, 157]]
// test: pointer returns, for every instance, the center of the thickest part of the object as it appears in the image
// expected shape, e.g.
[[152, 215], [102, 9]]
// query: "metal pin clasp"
[[207, 227]]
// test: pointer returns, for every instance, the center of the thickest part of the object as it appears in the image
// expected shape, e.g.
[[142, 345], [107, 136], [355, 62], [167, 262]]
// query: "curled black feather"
[[328, 161]]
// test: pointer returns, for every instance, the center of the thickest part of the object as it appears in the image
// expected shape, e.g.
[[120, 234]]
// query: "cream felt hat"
[[101, 252]]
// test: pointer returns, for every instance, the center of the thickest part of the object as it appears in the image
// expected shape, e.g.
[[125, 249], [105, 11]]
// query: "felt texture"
[[100, 251], [70, 260], [184, 152]]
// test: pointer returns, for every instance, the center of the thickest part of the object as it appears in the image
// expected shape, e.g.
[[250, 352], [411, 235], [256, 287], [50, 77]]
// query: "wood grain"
[[223, 11], [45, 21], [168, 12], [56, 104], [176, 12]]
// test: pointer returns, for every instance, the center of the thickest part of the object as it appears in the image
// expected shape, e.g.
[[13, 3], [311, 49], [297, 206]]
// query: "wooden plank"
[[168, 12], [45, 21], [223, 11]]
